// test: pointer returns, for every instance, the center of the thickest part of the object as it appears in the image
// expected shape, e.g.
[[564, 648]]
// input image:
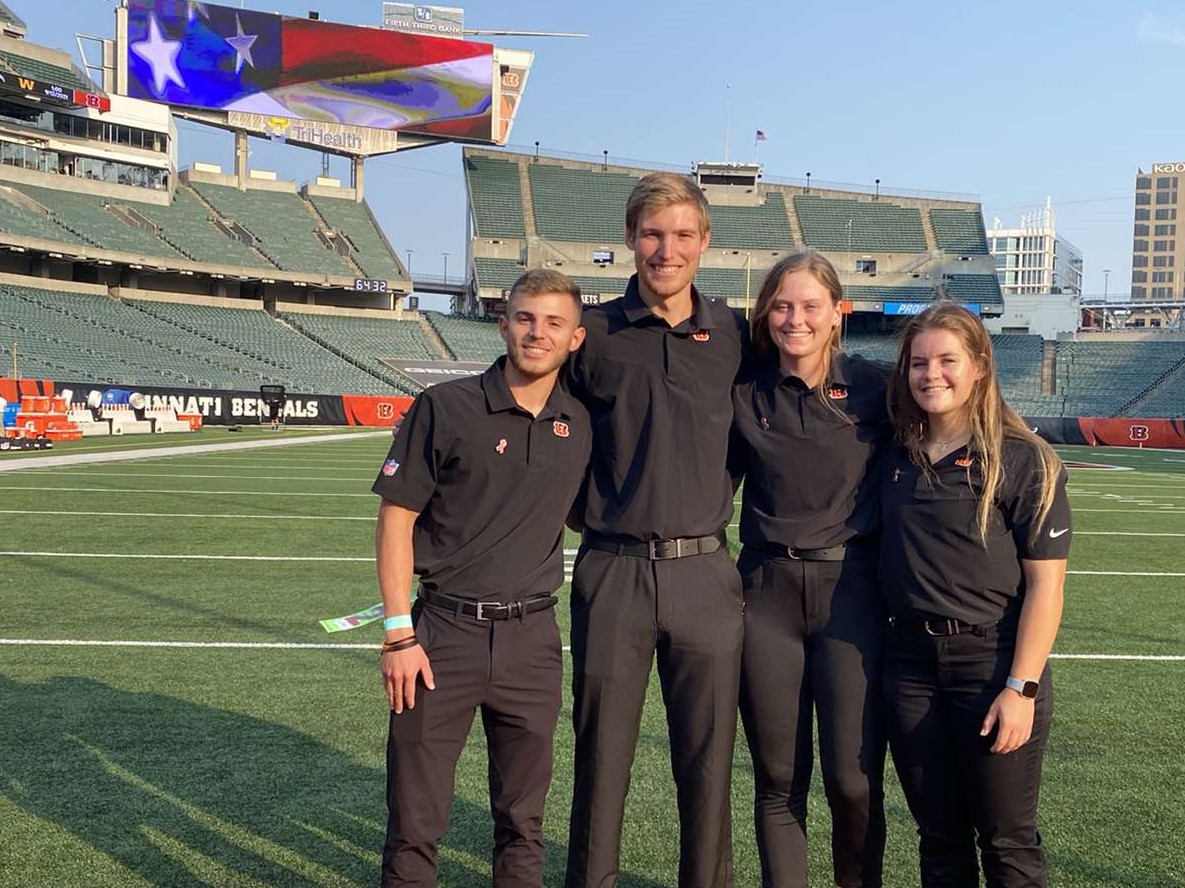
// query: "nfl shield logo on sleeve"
[[390, 467]]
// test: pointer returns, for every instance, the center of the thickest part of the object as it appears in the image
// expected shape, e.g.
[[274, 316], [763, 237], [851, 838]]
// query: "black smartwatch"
[[1027, 689]]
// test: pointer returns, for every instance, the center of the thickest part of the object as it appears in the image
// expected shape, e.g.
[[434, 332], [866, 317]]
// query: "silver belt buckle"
[[481, 608], [663, 550]]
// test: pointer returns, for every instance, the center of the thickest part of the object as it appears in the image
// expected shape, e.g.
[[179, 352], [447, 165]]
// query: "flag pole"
[[727, 113]]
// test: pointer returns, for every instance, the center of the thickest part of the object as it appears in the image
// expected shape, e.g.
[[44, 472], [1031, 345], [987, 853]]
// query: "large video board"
[[220, 58]]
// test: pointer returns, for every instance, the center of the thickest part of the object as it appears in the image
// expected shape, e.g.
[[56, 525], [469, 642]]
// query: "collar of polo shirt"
[[840, 374], [636, 309], [499, 399]]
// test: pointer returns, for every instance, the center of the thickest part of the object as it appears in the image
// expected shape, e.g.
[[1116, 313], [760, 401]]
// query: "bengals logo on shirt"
[[560, 428], [837, 393], [964, 462], [701, 335]]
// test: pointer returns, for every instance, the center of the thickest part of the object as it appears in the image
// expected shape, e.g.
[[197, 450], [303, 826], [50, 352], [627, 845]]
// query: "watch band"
[[1026, 689]]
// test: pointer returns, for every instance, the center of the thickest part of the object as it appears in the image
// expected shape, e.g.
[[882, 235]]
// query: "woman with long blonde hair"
[[809, 429], [976, 533]]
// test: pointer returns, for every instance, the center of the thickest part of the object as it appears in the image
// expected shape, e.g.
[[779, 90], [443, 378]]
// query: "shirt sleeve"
[[1049, 540], [738, 448], [409, 474]]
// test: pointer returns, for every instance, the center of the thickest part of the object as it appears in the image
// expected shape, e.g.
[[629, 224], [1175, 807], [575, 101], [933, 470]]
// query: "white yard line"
[[296, 645], [184, 557], [1172, 510], [156, 490], [1122, 573], [74, 459], [75, 473], [1124, 533], [261, 517]]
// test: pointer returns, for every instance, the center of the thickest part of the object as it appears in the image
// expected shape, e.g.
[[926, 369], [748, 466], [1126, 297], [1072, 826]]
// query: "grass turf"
[[213, 766]]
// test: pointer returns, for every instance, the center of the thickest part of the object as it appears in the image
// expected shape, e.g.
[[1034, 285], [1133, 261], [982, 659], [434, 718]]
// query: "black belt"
[[940, 628], [657, 550], [488, 610], [830, 553]]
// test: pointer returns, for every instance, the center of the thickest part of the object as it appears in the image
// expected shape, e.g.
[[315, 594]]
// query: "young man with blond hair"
[[653, 577]]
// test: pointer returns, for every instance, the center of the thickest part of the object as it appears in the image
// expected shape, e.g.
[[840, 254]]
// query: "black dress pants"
[[814, 646], [626, 611], [513, 672], [938, 691]]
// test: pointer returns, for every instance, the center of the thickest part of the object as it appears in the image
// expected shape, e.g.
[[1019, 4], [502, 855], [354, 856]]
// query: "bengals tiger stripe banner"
[[1097, 431]]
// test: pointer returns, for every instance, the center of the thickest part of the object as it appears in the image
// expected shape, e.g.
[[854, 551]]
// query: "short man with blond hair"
[[475, 490], [654, 577]]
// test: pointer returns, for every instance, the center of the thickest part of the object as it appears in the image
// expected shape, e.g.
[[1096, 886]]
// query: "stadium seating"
[[859, 225], [17, 220], [273, 351], [468, 339], [371, 251], [93, 338], [88, 217], [958, 231], [186, 225], [764, 227], [495, 195], [1101, 378], [282, 225], [86, 337], [889, 293], [499, 274], [878, 347], [977, 289], [12, 63], [366, 341], [1167, 397], [579, 205]]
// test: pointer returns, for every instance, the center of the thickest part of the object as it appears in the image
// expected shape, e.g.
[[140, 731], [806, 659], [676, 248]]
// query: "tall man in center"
[[653, 575]]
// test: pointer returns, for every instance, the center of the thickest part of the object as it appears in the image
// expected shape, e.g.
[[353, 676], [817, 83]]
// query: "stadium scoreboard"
[[347, 89]]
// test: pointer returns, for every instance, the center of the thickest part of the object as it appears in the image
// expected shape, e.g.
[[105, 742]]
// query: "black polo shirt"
[[659, 398], [492, 484], [811, 470], [933, 561]]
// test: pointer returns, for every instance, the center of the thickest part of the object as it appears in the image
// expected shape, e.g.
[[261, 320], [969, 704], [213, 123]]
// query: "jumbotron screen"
[[220, 58]]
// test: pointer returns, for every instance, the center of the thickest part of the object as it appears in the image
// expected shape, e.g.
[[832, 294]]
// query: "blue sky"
[[1010, 101]]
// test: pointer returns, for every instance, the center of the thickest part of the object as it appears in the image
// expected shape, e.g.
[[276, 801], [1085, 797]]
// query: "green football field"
[[172, 714]]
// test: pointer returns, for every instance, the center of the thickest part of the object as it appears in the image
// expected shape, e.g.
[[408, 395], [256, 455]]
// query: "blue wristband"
[[403, 621]]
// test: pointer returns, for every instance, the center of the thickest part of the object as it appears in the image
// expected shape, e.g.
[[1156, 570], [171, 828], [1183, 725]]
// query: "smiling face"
[[540, 331], [667, 244], [943, 375], [802, 321]]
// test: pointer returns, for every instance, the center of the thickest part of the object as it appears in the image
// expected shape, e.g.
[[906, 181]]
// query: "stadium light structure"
[[445, 267]]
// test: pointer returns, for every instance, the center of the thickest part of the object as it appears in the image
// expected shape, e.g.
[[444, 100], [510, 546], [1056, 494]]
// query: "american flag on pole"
[[760, 136]]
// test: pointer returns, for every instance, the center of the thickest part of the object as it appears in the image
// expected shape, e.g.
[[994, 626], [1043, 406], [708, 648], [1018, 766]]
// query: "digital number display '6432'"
[[370, 285]]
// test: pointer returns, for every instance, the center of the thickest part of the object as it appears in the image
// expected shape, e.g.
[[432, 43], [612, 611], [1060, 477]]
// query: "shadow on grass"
[[181, 794]]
